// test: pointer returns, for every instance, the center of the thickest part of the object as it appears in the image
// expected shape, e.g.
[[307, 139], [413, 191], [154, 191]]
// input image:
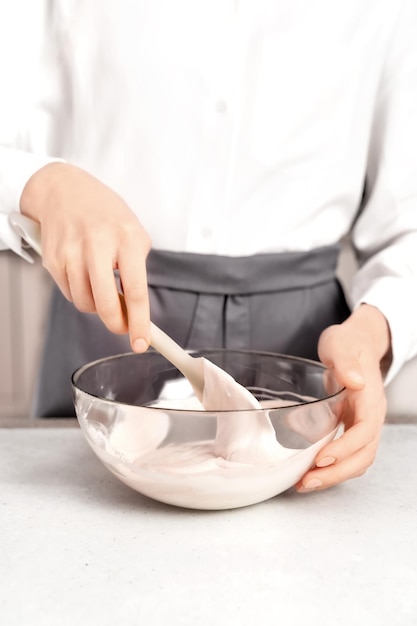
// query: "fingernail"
[[140, 345], [327, 460], [313, 483], [356, 377]]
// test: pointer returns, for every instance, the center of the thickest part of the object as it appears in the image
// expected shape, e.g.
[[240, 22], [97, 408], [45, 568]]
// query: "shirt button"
[[221, 106]]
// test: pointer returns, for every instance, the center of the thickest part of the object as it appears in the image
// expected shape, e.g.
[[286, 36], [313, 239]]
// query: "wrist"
[[39, 189]]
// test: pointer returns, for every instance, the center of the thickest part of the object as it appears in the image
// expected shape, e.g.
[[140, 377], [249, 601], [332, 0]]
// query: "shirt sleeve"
[[30, 87], [385, 233], [16, 167]]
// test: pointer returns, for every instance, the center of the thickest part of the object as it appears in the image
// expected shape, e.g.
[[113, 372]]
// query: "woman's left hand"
[[356, 351]]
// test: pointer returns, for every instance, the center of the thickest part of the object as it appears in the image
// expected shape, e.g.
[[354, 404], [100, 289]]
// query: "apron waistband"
[[260, 273]]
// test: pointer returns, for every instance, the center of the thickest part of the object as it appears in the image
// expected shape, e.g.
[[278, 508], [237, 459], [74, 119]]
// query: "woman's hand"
[[88, 231], [357, 351]]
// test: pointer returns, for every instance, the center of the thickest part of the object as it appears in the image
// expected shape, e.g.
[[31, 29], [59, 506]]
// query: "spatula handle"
[[189, 366]]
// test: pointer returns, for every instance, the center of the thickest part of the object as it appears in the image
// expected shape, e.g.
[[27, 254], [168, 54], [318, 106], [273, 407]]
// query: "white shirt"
[[230, 127]]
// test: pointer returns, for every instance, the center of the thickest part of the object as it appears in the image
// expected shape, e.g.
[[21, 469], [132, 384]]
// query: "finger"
[[59, 275], [351, 467], [348, 456], [360, 435], [337, 352], [54, 260], [106, 297], [135, 290], [363, 416], [80, 287]]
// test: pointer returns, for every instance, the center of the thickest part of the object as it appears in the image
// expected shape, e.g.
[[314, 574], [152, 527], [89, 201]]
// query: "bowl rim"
[[202, 352]]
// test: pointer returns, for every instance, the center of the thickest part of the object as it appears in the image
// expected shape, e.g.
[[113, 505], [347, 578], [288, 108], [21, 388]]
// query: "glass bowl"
[[140, 417]]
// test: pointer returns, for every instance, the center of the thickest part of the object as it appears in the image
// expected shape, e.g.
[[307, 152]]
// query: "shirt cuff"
[[16, 167], [10, 240]]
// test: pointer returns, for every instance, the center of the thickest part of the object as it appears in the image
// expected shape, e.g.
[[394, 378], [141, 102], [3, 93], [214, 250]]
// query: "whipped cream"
[[242, 464]]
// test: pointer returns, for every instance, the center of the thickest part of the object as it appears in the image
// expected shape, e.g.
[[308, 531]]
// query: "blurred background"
[[25, 291]]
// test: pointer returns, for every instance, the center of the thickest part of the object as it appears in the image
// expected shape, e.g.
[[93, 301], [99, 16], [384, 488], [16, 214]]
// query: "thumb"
[[338, 352]]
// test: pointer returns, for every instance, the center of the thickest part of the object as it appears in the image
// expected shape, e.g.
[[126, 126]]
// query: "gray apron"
[[273, 302]]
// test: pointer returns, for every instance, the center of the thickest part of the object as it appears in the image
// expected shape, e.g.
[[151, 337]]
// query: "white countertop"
[[80, 548]]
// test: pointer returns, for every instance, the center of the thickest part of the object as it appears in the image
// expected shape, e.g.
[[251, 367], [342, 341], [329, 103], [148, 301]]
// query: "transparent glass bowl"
[[139, 416]]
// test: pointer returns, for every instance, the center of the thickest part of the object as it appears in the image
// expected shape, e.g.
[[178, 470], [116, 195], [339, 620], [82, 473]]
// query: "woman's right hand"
[[88, 231]]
